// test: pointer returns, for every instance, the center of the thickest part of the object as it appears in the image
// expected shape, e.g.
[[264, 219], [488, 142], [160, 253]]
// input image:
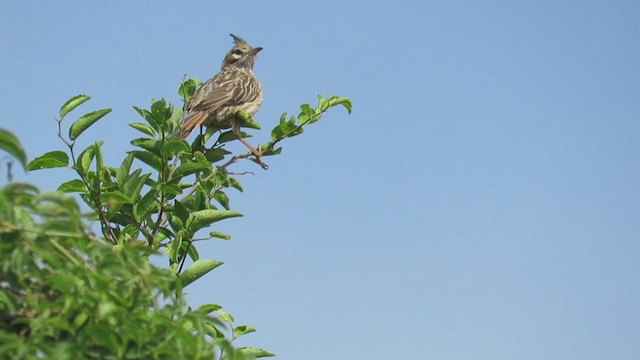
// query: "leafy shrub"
[[67, 293]]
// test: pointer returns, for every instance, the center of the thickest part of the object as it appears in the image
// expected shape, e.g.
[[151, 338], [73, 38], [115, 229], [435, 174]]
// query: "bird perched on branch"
[[235, 88]]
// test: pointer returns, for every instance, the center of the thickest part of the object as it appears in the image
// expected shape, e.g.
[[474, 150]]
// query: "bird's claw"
[[258, 153]]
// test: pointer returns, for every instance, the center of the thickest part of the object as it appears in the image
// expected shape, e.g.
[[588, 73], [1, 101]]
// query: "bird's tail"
[[191, 122]]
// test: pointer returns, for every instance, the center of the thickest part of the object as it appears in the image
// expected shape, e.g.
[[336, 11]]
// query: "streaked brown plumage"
[[235, 88]]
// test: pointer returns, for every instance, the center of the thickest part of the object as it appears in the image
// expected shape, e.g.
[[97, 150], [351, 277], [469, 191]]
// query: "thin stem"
[[184, 258], [9, 167], [234, 159], [159, 220], [162, 176], [107, 231]]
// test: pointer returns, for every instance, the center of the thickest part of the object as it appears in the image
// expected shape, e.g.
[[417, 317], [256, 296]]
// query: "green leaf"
[[15, 189], [209, 131], [220, 235], [115, 197], [175, 120], [85, 121], [176, 223], [151, 145], [283, 117], [306, 114], [270, 152], [192, 251], [243, 330], [85, 158], [99, 157], [200, 158], [230, 136], [216, 155], [80, 320], [289, 126], [169, 189], [235, 184], [73, 103], [146, 203], [174, 247], [123, 171], [164, 233], [143, 128], [198, 143], [187, 88], [52, 159], [174, 147], [190, 168], [254, 352], [58, 198], [83, 163], [102, 336], [203, 218], [148, 158], [161, 110], [127, 233], [112, 209], [134, 183], [338, 100], [198, 269], [221, 198], [247, 120], [71, 186], [147, 116], [323, 104], [212, 331], [225, 316], [221, 178], [180, 211], [11, 144], [208, 308], [277, 132]]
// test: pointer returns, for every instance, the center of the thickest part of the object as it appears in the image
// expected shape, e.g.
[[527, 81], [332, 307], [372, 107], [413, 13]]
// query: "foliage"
[[68, 293]]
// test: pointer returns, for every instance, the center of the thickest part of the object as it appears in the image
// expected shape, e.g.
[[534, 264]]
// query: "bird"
[[234, 89]]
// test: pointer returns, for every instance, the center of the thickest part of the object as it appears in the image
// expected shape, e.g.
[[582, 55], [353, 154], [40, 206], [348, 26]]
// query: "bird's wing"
[[246, 90], [226, 88], [195, 118], [214, 93]]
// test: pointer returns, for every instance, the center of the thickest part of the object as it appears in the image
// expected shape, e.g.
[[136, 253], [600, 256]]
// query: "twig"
[[159, 220], [9, 166], [184, 259], [241, 173], [235, 159]]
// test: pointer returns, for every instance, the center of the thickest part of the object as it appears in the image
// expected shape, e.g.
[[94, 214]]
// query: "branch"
[[159, 220], [233, 160]]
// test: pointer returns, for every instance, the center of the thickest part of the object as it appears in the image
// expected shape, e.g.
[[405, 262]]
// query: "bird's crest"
[[238, 40]]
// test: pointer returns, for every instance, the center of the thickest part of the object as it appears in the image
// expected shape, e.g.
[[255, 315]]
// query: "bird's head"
[[241, 54]]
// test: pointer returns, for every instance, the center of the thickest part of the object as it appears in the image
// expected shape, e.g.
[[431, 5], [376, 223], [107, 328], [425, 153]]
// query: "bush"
[[66, 292]]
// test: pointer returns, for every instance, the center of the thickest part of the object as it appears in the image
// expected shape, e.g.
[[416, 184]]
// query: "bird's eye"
[[237, 52]]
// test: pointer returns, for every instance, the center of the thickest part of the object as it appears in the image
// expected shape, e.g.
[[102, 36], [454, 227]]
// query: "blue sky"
[[481, 202]]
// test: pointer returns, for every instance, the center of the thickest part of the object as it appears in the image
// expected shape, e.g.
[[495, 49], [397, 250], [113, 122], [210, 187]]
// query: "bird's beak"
[[255, 50]]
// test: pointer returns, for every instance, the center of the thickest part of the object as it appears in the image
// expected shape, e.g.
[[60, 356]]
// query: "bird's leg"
[[256, 152]]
